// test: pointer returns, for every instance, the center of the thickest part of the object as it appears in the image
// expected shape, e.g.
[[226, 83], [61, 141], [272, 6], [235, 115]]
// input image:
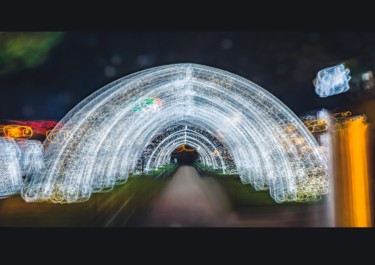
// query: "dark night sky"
[[283, 63]]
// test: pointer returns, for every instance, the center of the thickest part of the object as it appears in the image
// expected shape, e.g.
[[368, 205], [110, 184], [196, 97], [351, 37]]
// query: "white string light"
[[158, 153], [10, 171], [31, 159]]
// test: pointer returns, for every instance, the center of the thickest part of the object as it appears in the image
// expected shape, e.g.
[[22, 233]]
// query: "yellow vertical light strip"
[[348, 194], [359, 175], [352, 187], [343, 179]]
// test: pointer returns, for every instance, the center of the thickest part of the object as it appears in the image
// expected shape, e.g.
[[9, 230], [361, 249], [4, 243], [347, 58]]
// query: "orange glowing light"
[[315, 126], [183, 148], [57, 135], [341, 114], [360, 187], [17, 132], [353, 207], [39, 127]]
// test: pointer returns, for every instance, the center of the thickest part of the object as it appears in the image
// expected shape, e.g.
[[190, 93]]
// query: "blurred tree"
[[25, 50]]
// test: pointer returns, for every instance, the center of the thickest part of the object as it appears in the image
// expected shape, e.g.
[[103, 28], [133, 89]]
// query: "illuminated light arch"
[[162, 156], [31, 159], [163, 150], [18, 159], [10, 169], [106, 137], [198, 146]]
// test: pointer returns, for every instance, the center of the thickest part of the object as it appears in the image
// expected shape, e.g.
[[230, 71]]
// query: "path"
[[190, 200]]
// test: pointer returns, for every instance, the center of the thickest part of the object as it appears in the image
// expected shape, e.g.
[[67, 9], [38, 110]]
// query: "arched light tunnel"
[[208, 147], [230, 121]]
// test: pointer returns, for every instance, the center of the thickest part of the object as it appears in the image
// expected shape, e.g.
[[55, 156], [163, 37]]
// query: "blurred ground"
[[191, 200], [185, 200], [114, 208]]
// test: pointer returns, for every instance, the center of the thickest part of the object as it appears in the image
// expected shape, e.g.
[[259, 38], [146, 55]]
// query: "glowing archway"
[[204, 142], [271, 147]]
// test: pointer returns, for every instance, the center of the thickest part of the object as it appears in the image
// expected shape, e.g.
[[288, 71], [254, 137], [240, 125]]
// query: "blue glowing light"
[[332, 80]]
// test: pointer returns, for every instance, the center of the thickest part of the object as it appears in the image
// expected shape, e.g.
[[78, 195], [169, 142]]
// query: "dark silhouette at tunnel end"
[[185, 155]]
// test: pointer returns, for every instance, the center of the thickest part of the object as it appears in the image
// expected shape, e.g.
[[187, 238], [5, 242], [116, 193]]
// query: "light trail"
[[10, 169], [352, 188], [18, 159]]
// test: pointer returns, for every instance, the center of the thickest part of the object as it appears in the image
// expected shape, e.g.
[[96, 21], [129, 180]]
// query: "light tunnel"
[[164, 155], [208, 149], [109, 130]]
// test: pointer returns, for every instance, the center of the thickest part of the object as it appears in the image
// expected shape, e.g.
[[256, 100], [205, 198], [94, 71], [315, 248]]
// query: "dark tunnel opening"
[[185, 155]]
